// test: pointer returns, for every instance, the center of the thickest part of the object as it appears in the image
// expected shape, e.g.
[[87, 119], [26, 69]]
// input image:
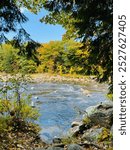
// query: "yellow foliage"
[[86, 120], [105, 135]]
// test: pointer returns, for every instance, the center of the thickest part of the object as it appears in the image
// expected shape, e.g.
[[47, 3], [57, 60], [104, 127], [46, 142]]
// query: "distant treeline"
[[61, 57]]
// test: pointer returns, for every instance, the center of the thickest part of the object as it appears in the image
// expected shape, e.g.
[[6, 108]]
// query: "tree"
[[92, 21], [8, 59], [11, 19], [12, 62], [62, 57]]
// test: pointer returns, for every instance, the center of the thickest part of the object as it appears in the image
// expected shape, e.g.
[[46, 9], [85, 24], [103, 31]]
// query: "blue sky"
[[41, 32]]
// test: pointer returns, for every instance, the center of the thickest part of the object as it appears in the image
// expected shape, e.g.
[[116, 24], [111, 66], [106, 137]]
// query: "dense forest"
[[61, 57], [85, 49]]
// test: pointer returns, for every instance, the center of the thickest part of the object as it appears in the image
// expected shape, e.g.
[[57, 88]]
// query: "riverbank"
[[93, 132], [66, 78], [26, 138], [55, 78]]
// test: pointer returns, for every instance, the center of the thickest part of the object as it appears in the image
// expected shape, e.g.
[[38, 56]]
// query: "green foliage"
[[27, 66], [91, 21], [12, 62], [3, 124], [17, 116], [86, 120], [63, 57], [70, 139], [10, 17], [15, 110], [9, 58]]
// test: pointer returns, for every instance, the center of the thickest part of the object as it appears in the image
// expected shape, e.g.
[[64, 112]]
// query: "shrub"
[[105, 135], [8, 58], [15, 110], [86, 120], [27, 66], [11, 62]]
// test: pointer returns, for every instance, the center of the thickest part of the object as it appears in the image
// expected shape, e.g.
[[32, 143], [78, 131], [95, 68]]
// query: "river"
[[61, 104]]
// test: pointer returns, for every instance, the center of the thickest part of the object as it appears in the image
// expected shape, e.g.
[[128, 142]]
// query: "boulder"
[[74, 131], [56, 140], [77, 128], [75, 123], [92, 134], [55, 148], [85, 92], [74, 147], [101, 115]]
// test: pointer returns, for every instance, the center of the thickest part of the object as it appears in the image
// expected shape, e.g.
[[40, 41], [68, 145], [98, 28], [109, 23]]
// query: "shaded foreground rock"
[[101, 115], [93, 132], [55, 148], [95, 129], [74, 147], [56, 140]]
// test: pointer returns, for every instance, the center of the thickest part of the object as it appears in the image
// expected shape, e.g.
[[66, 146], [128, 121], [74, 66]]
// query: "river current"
[[61, 104]]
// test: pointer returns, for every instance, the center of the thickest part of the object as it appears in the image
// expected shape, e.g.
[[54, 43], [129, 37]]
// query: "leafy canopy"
[[11, 20], [91, 21]]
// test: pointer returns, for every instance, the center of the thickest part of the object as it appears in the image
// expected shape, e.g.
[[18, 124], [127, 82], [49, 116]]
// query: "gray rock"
[[55, 148], [56, 140], [74, 147], [105, 106], [74, 131], [78, 127], [101, 114], [85, 92], [83, 127], [75, 123], [92, 134]]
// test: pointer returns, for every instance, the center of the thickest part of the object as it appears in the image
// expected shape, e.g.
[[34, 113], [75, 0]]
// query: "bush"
[[8, 58], [16, 111], [27, 66], [11, 62], [106, 135]]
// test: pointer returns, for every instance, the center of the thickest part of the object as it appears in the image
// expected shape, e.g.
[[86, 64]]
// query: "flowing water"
[[61, 104]]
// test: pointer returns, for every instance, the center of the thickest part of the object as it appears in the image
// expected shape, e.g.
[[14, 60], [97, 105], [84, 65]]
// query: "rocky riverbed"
[[55, 78], [93, 132]]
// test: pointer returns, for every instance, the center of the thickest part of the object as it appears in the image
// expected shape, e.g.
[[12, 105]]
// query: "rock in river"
[[101, 114], [75, 123]]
